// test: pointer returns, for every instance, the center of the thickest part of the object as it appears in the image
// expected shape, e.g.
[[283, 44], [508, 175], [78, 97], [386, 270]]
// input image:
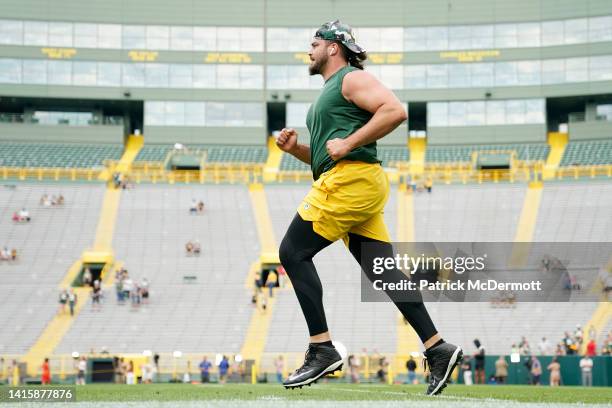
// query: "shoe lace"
[[308, 358]]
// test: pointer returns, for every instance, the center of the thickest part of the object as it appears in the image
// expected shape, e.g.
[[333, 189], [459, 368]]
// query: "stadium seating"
[[65, 155], [215, 154], [472, 213], [209, 314], [463, 153], [499, 328], [575, 212], [587, 153], [47, 247], [290, 163]]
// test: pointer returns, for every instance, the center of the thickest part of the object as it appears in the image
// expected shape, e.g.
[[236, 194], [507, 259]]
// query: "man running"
[[347, 198]]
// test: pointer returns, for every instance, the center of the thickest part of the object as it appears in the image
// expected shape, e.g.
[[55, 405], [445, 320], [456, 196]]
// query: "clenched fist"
[[287, 139], [337, 148]]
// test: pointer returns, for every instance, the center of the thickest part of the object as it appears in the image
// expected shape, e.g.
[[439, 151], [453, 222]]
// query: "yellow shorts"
[[350, 197]]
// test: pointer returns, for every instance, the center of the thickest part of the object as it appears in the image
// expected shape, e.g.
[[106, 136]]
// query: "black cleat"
[[441, 360], [320, 360]]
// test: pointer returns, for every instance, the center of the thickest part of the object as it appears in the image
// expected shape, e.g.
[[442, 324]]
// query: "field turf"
[[330, 395]]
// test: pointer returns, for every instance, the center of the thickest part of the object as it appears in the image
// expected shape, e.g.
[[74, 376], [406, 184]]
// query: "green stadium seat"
[[587, 153], [463, 153], [215, 153], [60, 155]]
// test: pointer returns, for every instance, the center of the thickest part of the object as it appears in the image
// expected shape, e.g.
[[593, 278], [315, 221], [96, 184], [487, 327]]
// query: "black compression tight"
[[301, 244]]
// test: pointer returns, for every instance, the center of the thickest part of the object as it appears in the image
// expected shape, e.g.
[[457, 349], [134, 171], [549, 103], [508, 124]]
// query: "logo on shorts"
[[306, 206]]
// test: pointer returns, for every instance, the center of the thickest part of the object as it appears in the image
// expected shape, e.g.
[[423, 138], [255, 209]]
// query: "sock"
[[327, 343], [441, 341]]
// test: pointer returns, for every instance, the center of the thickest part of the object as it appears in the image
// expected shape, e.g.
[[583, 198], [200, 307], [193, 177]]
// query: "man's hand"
[[337, 148], [287, 140]]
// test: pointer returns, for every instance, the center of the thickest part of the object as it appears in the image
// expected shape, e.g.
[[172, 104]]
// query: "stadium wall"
[[590, 130], [486, 134], [287, 13], [570, 370], [24, 132], [206, 135]]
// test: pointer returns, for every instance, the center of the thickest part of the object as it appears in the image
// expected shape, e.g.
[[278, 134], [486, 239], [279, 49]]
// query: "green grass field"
[[330, 395]]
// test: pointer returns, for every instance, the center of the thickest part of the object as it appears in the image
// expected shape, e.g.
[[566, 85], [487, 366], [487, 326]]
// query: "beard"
[[317, 66]]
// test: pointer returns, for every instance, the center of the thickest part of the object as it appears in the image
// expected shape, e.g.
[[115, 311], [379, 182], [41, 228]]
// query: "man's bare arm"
[[365, 91], [302, 152], [287, 142]]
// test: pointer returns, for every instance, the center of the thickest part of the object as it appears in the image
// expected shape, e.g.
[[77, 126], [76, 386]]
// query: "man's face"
[[318, 56]]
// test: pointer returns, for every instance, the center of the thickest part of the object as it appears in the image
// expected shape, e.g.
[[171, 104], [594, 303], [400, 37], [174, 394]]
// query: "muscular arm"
[[287, 142], [301, 152], [365, 91]]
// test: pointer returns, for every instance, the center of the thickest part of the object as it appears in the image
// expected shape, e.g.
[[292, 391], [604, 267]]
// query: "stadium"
[[145, 196]]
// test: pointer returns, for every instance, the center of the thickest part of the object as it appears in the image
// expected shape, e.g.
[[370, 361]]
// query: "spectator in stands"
[[128, 286], [197, 248], [205, 366], [147, 372], [524, 347], [5, 254], [45, 378], [13, 375], [570, 344], [411, 367], [544, 347], [63, 299], [156, 363], [535, 370], [120, 371], [271, 282], [119, 288], [193, 209], [135, 295], [45, 201], [223, 369], [72, 300], [13, 254], [279, 364], [201, 207], [555, 372], [383, 367], [466, 367], [96, 294], [586, 366], [479, 362], [187, 373], [60, 200], [591, 348], [87, 277], [501, 370], [129, 374], [514, 349], [117, 178], [606, 348], [144, 290], [24, 215], [81, 371], [353, 363], [428, 184], [560, 351], [1, 370], [579, 336]]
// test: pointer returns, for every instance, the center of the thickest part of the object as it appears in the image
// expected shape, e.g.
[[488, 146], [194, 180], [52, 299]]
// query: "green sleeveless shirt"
[[332, 116]]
